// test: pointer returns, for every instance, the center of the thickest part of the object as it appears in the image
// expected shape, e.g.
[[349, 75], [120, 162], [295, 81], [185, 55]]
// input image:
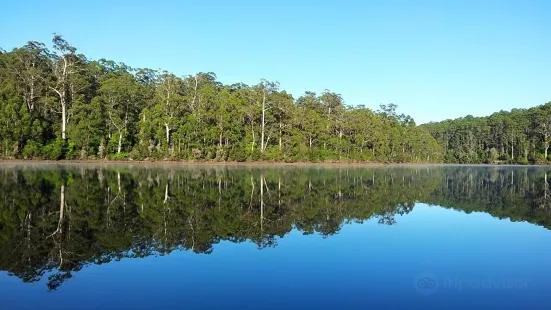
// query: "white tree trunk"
[[280, 134], [167, 135], [261, 202], [252, 131], [119, 148], [63, 119], [61, 207], [194, 93], [61, 210], [263, 121], [31, 99]]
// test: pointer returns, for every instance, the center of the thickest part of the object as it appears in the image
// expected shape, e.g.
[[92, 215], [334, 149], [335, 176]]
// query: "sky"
[[435, 59]]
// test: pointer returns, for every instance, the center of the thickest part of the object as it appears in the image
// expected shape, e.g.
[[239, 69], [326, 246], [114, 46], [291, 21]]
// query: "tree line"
[[55, 103], [54, 222], [520, 136]]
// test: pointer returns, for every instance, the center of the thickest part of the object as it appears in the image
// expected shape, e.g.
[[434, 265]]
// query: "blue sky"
[[434, 59]]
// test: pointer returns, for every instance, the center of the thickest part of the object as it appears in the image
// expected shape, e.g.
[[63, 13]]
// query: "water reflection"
[[56, 220]]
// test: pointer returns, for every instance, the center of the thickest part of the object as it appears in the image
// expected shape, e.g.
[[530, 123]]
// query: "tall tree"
[[64, 64], [169, 104], [121, 95]]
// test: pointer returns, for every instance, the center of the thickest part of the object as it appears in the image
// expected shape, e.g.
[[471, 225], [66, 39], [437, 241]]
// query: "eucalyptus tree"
[[30, 69], [542, 126], [170, 105], [89, 128], [14, 123], [312, 124], [519, 136], [334, 113], [122, 98], [362, 124], [65, 63], [307, 120], [58, 104], [267, 90], [282, 111]]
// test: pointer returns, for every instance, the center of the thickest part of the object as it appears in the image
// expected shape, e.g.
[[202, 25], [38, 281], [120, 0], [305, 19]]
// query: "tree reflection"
[[54, 222]]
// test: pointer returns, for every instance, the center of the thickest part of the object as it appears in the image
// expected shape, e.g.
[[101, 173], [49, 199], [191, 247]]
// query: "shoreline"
[[252, 163]]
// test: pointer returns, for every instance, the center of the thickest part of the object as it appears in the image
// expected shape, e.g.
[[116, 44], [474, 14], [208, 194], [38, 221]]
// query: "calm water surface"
[[140, 237]]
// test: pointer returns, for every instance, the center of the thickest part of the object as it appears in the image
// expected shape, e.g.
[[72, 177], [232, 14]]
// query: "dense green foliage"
[[57, 104], [521, 136], [53, 222]]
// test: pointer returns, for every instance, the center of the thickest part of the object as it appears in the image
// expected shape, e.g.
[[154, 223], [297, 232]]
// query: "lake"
[[132, 236]]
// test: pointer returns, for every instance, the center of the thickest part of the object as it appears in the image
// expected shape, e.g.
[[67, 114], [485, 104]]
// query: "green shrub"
[[118, 156], [71, 151], [53, 150], [135, 154], [32, 149], [256, 155], [523, 161], [197, 154], [273, 153], [540, 159], [238, 153], [221, 154]]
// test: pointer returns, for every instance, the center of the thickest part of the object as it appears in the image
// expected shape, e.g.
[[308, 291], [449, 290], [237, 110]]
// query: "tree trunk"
[[280, 133], [120, 142], [166, 193], [261, 201], [279, 191], [63, 119], [194, 93], [252, 193], [221, 127], [61, 207], [252, 131], [31, 99], [263, 121], [119, 183], [167, 135]]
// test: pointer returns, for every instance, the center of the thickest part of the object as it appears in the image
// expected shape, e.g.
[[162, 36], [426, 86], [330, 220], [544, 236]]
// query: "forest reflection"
[[56, 220]]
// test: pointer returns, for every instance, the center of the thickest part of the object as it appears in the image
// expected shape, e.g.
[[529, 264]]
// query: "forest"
[[56, 221], [521, 136], [55, 103]]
